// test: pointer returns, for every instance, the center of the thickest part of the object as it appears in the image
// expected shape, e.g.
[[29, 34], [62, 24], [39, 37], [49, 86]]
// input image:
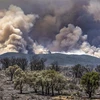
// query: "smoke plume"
[[14, 29], [21, 32], [90, 50], [69, 38]]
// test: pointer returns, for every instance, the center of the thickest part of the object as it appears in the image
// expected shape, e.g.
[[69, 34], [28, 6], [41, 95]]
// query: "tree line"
[[46, 81]]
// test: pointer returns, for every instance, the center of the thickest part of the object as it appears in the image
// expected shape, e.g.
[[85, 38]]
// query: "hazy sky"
[[63, 24]]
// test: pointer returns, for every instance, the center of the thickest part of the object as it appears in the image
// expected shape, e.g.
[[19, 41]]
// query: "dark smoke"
[[56, 14]]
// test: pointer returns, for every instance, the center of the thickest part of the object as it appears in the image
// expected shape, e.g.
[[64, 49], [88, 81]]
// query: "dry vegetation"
[[53, 83]]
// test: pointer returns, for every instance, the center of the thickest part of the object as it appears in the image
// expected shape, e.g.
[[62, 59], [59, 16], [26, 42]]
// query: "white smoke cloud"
[[90, 50], [75, 52], [14, 29], [39, 49]]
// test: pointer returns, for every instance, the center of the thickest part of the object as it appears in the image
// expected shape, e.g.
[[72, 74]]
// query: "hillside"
[[62, 59]]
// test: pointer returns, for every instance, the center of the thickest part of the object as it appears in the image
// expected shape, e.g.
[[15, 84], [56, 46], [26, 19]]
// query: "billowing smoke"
[[39, 49], [14, 29], [94, 9], [52, 29], [69, 38], [54, 15], [90, 50]]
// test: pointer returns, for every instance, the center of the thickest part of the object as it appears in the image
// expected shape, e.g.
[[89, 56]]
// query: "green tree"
[[60, 83], [52, 74], [98, 68], [11, 70], [53, 81], [90, 82], [42, 80], [5, 62], [78, 71], [32, 79], [55, 66], [19, 79], [46, 81], [37, 63], [22, 62]]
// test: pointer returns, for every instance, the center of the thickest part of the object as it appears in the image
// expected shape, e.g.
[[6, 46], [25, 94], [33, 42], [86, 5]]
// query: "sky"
[[39, 26]]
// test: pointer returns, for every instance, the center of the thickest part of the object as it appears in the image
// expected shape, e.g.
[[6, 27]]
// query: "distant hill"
[[62, 59]]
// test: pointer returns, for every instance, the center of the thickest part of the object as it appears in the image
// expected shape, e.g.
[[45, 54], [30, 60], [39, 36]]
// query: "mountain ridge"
[[62, 59]]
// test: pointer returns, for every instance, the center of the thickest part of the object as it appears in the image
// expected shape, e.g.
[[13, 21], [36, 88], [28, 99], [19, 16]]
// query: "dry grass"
[[62, 98]]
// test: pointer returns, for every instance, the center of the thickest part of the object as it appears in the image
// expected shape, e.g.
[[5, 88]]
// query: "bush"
[[19, 79], [11, 70]]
